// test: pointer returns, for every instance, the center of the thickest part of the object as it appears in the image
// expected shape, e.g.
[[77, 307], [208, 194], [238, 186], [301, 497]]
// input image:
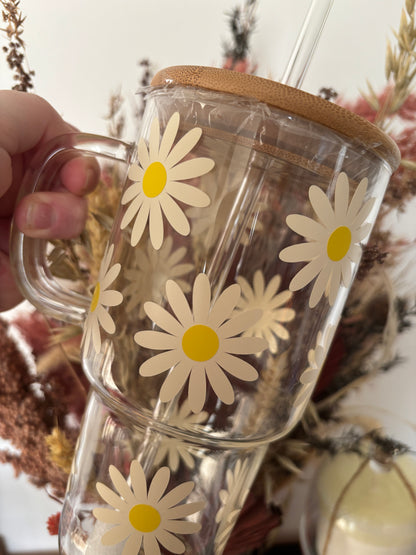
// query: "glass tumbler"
[[241, 224]]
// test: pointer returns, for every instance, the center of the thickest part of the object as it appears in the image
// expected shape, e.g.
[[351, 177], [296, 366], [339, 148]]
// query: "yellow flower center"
[[144, 518], [200, 343], [339, 243], [154, 179], [95, 297]]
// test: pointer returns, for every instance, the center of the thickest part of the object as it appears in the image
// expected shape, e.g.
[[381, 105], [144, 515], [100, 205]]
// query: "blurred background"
[[82, 52]]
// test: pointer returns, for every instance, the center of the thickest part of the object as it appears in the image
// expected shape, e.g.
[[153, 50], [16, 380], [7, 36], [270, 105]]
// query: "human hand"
[[27, 122]]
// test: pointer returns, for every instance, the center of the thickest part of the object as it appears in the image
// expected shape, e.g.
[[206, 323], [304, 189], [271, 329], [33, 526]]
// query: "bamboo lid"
[[286, 98]]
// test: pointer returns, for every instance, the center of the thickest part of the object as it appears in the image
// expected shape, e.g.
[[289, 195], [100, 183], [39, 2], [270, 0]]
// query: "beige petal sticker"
[[145, 518], [232, 500], [204, 352], [102, 298], [272, 303], [333, 242], [150, 271], [158, 183], [308, 378], [174, 449]]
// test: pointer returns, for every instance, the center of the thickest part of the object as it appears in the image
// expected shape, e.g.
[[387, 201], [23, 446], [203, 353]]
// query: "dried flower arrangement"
[[41, 411]]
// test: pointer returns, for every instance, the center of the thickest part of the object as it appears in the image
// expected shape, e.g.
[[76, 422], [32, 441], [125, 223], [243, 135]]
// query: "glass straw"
[[306, 43]]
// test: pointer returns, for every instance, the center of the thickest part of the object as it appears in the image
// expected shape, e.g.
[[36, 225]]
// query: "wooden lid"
[[285, 98]]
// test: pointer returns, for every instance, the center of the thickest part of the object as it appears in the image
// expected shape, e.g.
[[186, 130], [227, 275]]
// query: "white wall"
[[83, 50]]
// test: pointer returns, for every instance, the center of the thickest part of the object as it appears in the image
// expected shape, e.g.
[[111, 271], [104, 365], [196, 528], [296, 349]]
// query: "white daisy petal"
[[362, 232], [220, 383], [163, 318], [106, 322], [271, 339], [272, 288], [188, 194], [246, 290], [179, 304], [159, 363], [132, 210], [342, 193], [224, 306], [175, 216], [115, 535], [300, 252], [191, 168], [150, 545], [320, 285], [258, 283], [111, 298], [182, 527], [238, 367], [133, 545], [183, 147], [135, 173], [346, 272], [204, 339], [186, 509], [140, 223], [150, 516], [355, 253], [102, 298], [244, 345], [159, 484], [110, 497], [96, 335], [156, 340], [142, 153], [176, 495], [131, 192], [175, 381], [109, 516], [357, 199], [120, 483], [306, 274], [310, 229], [138, 480], [156, 231], [334, 284], [201, 298], [110, 275], [150, 201], [239, 323], [171, 542], [169, 135], [197, 390], [344, 227], [322, 206]]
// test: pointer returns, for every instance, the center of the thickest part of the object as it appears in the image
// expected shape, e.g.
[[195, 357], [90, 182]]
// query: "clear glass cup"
[[194, 490], [245, 210]]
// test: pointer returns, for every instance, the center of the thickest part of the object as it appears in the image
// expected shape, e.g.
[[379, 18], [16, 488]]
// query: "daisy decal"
[[146, 518], [172, 448], [200, 344], [272, 305], [333, 242], [232, 500], [102, 298], [316, 359], [159, 182], [152, 269]]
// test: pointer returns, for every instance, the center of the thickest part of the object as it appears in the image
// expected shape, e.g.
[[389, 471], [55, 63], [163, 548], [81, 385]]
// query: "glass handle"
[[29, 256]]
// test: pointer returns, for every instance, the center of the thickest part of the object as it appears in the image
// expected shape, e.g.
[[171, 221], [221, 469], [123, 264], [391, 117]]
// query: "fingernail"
[[90, 179], [40, 215]]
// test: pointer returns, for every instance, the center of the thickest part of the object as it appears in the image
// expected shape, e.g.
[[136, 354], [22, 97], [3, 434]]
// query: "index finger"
[[26, 121]]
